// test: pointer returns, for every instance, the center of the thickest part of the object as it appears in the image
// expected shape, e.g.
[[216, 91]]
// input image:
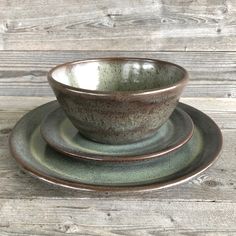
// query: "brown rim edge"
[[146, 187], [180, 84]]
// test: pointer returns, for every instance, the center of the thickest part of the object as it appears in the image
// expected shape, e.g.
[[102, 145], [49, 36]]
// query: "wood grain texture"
[[117, 25], [198, 35], [204, 206], [115, 218], [23, 73]]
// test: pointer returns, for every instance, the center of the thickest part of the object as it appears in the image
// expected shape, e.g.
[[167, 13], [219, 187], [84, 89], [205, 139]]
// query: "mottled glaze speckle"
[[37, 158], [118, 75], [60, 133], [118, 100]]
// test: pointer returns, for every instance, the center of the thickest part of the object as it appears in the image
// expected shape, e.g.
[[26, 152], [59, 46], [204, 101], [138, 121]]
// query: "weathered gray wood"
[[177, 29], [114, 218], [118, 25], [204, 206], [23, 73]]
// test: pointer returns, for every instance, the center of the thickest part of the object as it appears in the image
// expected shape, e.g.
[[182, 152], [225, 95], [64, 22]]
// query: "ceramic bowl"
[[118, 100]]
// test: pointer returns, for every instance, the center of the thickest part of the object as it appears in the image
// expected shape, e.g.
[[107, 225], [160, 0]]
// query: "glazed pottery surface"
[[36, 157], [60, 133], [118, 100]]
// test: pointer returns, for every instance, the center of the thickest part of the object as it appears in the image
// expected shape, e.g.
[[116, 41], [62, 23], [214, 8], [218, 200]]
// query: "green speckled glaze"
[[36, 157], [119, 100], [60, 133], [118, 75], [115, 174]]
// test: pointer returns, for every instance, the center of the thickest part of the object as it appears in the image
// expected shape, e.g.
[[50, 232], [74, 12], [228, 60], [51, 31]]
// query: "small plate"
[[59, 133], [39, 159]]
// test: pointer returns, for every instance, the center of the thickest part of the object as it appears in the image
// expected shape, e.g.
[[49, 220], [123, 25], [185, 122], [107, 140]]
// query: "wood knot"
[[69, 228], [218, 30], [212, 183], [5, 131]]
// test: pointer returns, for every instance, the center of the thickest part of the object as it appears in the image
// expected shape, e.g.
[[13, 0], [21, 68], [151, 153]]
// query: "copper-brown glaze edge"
[[118, 95]]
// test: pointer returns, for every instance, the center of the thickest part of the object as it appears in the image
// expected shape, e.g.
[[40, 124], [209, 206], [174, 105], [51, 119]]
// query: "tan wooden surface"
[[139, 25], [205, 205]]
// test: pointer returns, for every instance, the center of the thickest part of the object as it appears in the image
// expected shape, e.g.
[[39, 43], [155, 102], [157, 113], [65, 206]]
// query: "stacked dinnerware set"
[[117, 125]]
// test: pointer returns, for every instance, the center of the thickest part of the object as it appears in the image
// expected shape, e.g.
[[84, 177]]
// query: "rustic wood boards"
[[199, 35], [212, 74], [117, 25]]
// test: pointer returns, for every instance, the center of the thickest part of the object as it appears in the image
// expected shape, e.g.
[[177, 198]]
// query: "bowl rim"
[[179, 84]]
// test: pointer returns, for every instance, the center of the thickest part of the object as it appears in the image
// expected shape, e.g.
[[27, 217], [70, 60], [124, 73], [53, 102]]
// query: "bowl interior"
[[118, 75]]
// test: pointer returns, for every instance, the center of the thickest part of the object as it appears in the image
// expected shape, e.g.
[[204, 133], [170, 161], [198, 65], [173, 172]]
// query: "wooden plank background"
[[200, 35], [37, 35], [212, 74], [140, 25]]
